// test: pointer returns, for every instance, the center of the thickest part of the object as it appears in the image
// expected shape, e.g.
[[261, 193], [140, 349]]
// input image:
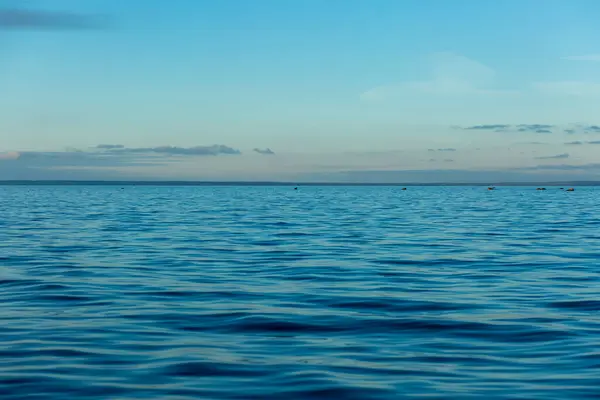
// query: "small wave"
[[578, 305], [247, 293]]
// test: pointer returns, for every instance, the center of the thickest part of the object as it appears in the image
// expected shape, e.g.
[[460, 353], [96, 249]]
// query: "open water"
[[363, 293]]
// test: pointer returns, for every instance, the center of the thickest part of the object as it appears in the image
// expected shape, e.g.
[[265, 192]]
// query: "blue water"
[[325, 292]]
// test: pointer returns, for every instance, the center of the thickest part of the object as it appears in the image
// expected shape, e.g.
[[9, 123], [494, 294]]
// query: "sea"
[[324, 292]]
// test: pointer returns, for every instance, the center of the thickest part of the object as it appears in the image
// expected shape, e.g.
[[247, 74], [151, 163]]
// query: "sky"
[[304, 90]]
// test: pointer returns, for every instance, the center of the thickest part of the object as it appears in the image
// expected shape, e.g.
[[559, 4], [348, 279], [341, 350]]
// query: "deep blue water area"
[[251, 292]]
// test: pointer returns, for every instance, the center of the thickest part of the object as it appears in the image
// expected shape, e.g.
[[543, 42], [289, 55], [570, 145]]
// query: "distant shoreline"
[[267, 183]]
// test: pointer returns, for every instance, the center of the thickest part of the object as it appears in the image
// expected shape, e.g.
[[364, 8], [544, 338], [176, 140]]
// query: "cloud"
[[487, 127], [445, 149], [213, 150], [587, 57], [71, 165], [107, 159], [451, 74], [535, 128], [104, 154], [591, 129], [579, 142], [17, 18], [554, 157], [582, 128], [266, 151], [82, 159], [114, 165]]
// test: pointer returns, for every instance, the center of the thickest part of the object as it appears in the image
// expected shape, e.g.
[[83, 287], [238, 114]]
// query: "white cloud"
[[456, 75], [452, 74], [453, 68]]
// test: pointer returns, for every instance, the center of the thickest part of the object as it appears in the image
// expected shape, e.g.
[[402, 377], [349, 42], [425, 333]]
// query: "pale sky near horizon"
[[198, 89]]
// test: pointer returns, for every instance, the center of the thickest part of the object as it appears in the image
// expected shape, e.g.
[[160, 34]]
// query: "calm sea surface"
[[325, 292]]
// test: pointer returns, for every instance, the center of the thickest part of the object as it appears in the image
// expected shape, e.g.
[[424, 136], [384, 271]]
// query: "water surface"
[[325, 292]]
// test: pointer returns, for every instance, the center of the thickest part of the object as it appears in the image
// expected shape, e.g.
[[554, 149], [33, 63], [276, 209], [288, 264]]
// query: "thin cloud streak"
[[213, 150], [266, 152], [579, 142], [569, 129], [105, 160], [486, 127], [592, 129], [535, 128], [554, 157], [26, 19], [111, 156]]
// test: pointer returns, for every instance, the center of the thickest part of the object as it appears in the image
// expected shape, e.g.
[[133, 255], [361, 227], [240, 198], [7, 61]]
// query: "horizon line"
[[82, 182]]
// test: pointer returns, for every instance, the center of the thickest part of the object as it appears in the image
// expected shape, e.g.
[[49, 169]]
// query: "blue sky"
[[336, 89]]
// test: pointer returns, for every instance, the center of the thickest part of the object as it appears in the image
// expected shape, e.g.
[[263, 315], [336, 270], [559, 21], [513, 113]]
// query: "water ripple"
[[325, 292]]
